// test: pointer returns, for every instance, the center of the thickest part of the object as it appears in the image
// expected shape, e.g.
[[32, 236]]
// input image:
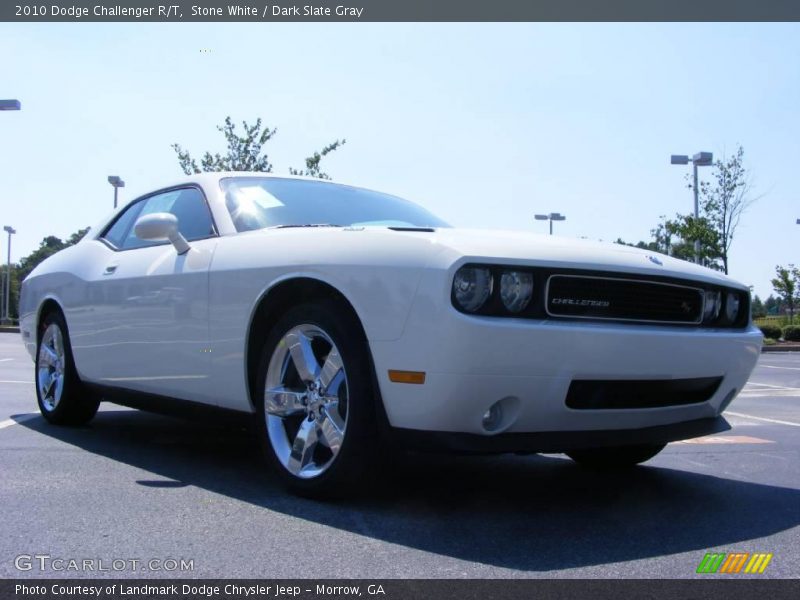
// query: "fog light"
[[493, 418], [501, 415]]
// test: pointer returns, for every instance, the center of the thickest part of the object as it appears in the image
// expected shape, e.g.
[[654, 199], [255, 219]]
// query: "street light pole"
[[117, 183], [6, 290], [701, 159], [6, 318], [551, 217]]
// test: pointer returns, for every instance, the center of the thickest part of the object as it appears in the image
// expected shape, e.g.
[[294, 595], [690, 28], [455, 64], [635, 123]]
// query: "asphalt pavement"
[[146, 490]]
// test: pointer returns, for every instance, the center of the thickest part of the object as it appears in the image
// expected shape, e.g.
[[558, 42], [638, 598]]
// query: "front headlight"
[[516, 289], [472, 286], [711, 305], [732, 303]]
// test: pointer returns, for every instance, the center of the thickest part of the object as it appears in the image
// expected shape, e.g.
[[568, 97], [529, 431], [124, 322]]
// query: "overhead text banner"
[[176, 11]]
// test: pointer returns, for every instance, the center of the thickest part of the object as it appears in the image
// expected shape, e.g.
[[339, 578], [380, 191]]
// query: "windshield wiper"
[[307, 225]]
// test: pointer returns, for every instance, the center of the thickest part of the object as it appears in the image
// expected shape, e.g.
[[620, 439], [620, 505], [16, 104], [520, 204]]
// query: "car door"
[[149, 329]]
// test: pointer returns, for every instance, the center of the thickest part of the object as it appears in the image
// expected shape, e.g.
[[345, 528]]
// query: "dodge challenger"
[[343, 321]]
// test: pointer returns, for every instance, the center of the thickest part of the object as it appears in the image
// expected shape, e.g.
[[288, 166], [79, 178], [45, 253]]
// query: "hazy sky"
[[484, 124]]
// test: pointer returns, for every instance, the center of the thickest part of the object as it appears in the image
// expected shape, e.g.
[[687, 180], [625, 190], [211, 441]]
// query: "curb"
[[781, 348]]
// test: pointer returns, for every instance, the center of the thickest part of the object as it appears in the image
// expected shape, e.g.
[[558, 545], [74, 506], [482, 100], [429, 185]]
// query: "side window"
[[188, 205], [115, 235]]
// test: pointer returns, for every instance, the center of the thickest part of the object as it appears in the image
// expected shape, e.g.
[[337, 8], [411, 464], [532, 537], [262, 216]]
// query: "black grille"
[[593, 395], [579, 296]]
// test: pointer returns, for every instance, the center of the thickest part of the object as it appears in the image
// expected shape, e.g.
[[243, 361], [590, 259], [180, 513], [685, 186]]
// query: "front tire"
[[615, 457], [315, 401], [61, 397]]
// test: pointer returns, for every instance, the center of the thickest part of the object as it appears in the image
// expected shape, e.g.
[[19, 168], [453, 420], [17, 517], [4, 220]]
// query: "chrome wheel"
[[51, 365], [306, 401]]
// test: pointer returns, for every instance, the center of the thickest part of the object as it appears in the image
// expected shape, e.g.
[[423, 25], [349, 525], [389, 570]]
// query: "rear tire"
[[315, 400], [61, 397], [615, 457]]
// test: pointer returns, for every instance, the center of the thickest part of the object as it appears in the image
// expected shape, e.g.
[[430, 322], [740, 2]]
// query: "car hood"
[[516, 247]]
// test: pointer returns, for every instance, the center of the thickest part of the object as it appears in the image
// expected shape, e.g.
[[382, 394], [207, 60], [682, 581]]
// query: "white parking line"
[[5, 359], [769, 385], [743, 416], [774, 367], [771, 394], [13, 381], [17, 419]]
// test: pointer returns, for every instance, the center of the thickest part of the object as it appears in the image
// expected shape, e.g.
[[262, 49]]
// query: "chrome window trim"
[[144, 198]]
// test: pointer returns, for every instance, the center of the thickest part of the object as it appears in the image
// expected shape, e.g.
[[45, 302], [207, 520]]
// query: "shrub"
[[770, 331], [791, 333]]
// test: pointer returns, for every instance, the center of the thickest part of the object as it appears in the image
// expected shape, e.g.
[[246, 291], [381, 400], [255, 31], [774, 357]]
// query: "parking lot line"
[[726, 439], [13, 381], [17, 419], [776, 367], [5, 359], [776, 394], [768, 385], [776, 421]]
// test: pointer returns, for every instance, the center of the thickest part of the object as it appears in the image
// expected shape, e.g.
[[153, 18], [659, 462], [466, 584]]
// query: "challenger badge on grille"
[[616, 298]]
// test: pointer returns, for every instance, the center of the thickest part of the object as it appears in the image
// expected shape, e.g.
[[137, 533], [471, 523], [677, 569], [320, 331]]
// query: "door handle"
[[110, 269]]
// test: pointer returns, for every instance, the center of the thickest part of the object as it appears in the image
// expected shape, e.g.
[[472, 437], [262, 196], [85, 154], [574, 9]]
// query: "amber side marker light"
[[417, 377]]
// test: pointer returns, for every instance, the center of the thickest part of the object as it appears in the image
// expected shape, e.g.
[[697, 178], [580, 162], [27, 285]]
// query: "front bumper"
[[555, 441], [473, 362]]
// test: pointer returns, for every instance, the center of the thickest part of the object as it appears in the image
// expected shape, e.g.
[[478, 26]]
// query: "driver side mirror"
[[159, 227]]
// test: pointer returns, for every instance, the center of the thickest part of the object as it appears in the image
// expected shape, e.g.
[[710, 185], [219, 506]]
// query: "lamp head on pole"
[[703, 159], [10, 105], [9, 230]]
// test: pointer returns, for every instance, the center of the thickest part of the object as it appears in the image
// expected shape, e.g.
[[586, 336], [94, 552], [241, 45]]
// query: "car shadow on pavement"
[[534, 513]]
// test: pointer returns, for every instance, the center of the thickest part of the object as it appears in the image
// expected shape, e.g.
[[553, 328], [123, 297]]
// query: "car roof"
[[212, 178]]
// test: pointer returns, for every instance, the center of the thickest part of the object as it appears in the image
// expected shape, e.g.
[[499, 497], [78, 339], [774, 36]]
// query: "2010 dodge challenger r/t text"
[[340, 317]]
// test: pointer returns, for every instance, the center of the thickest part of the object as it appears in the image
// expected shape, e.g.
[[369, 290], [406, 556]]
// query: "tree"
[[685, 229], [662, 241], [757, 308], [312, 162], [722, 204], [773, 305], [787, 286], [245, 153]]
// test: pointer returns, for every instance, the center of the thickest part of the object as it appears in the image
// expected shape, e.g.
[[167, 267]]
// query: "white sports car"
[[342, 318]]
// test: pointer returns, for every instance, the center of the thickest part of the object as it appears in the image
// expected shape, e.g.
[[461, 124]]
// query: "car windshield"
[[259, 202]]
